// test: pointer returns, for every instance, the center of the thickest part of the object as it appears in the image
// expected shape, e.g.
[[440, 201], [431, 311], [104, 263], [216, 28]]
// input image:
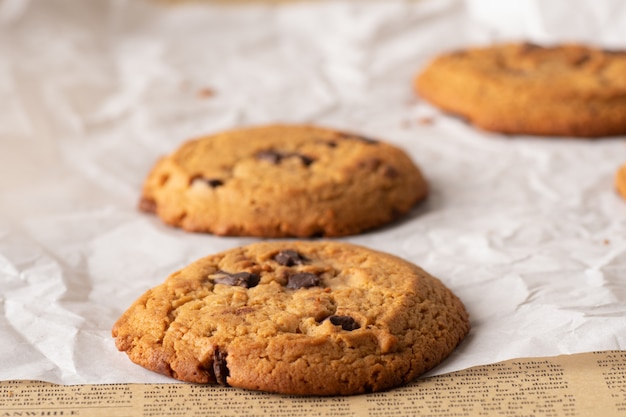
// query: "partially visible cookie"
[[283, 180], [563, 90], [620, 181], [306, 318]]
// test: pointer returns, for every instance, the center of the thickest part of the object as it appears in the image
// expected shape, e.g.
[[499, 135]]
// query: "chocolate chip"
[[211, 182], [289, 257], [276, 157], [390, 172], [214, 182], [270, 156], [346, 322], [370, 164], [582, 60], [306, 160], [240, 279], [303, 280], [375, 164], [220, 370]]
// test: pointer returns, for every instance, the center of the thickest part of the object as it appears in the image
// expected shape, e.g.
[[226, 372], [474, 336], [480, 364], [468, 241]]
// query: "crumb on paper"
[[206, 92], [607, 242], [426, 121]]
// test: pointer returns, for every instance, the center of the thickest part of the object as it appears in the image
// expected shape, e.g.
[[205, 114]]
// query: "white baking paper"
[[528, 232]]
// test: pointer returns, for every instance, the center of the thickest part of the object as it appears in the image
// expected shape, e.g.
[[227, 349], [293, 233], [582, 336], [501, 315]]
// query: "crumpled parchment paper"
[[528, 232]]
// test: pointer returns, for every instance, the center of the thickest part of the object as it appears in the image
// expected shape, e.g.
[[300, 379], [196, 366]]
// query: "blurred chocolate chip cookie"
[[522, 88], [280, 181]]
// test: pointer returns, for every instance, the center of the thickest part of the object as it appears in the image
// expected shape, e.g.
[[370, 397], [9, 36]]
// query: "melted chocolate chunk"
[[240, 279], [220, 370], [303, 280], [289, 257], [346, 322]]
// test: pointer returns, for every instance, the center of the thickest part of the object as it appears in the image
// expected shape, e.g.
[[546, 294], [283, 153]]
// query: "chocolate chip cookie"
[[306, 318], [563, 90], [283, 181], [620, 181]]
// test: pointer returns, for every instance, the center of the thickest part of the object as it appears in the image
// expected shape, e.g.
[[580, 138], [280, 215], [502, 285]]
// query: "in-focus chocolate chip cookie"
[[620, 181], [281, 181], [309, 318], [564, 90]]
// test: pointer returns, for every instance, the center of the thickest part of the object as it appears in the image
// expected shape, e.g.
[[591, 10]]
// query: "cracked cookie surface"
[[562, 90], [307, 318], [283, 181]]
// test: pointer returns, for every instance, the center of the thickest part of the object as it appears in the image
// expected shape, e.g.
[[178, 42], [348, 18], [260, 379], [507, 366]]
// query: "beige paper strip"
[[587, 384]]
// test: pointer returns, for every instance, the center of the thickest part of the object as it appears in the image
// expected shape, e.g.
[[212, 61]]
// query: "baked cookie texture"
[[620, 181], [305, 318], [283, 181], [564, 90]]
